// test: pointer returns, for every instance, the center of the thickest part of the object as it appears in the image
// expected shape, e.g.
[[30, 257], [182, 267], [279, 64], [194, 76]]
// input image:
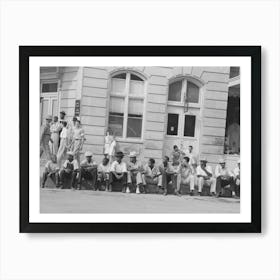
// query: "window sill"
[[129, 140]]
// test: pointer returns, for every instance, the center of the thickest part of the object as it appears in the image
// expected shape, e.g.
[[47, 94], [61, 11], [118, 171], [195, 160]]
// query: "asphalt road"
[[86, 201]]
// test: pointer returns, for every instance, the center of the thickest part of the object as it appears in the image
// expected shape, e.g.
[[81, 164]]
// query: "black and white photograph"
[[149, 139], [125, 136]]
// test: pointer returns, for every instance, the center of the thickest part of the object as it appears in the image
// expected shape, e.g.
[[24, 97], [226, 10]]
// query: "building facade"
[[150, 109]]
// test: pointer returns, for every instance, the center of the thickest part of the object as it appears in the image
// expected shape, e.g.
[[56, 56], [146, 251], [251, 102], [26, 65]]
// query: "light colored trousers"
[[45, 147], [61, 151], [186, 181], [153, 181], [54, 145], [134, 176], [211, 182]]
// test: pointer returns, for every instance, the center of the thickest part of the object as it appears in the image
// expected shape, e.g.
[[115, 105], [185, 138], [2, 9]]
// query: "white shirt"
[[118, 167], [51, 166], [64, 133], [236, 171], [104, 168], [201, 172], [219, 171], [112, 148]]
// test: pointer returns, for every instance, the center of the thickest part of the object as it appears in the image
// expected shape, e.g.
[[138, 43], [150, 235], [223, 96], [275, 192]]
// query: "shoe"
[[138, 190], [165, 193], [212, 194], [110, 188], [217, 195], [199, 193], [42, 186], [191, 193], [177, 193], [127, 190]]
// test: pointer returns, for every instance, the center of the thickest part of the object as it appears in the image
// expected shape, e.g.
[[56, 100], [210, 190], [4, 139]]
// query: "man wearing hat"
[[103, 171], [134, 169], [88, 171], [46, 138], [236, 173], [186, 175], [78, 140], [205, 176], [118, 172], [69, 170], [224, 177]]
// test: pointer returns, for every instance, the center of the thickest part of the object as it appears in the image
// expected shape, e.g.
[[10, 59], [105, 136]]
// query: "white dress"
[[112, 148], [107, 144]]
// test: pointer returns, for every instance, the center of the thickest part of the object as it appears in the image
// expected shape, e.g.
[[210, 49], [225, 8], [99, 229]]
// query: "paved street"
[[86, 201]]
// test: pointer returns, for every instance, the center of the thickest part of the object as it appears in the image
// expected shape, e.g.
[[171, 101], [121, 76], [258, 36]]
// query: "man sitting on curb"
[[52, 171], [118, 172], [88, 170], [151, 174], [168, 175], [236, 173], [186, 175], [103, 171], [134, 174], [205, 176], [69, 170], [224, 177]]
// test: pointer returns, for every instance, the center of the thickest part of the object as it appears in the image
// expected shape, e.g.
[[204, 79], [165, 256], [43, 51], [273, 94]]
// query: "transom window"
[[126, 105], [183, 91]]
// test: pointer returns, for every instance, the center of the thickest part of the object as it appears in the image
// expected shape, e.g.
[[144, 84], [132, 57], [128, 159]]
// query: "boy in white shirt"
[[205, 176], [51, 170], [103, 172], [118, 172]]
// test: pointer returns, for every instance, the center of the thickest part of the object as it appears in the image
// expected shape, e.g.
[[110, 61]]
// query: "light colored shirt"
[[104, 168], [219, 171], [193, 158], [78, 133], [168, 168], [186, 170], [177, 156], [85, 163], [236, 171], [112, 148], [55, 127], [51, 167], [137, 166], [64, 133], [201, 172], [118, 167], [72, 165], [151, 172]]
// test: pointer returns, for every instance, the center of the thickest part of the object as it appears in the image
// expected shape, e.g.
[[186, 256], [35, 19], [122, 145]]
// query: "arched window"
[[183, 91], [126, 105]]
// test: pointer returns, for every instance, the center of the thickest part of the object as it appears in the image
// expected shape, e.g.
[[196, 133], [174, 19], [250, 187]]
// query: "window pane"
[[116, 124], [135, 78], [192, 93], [116, 105], [49, 87], [174, 93], [134, 127], [48, 69], [135, 107], [234, 71], [118, 85], [136, 87], [54, 107], [189, 127], [172, 124]]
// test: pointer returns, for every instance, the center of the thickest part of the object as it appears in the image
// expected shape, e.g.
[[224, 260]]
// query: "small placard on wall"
[[77, 107]]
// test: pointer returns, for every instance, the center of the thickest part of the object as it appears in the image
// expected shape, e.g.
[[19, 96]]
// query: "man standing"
[[186, 175], [151, 174], [51, 170], [192, 157], [69, 170], [168, 175], [205, 176], [103, 172], [176, 155], [46, 138], [224, 177], [236, 173], [55, 130], [134, 174], [88, 171], [118, 172], [78, 140]]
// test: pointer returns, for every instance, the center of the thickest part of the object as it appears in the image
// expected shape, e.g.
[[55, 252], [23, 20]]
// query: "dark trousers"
[[221, 183], [112, 179], [68, 175], [90, 175], [166, 179], [53, 176]]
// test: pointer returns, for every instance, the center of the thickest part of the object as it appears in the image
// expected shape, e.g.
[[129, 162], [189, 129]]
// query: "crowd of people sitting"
[[182, 169]]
